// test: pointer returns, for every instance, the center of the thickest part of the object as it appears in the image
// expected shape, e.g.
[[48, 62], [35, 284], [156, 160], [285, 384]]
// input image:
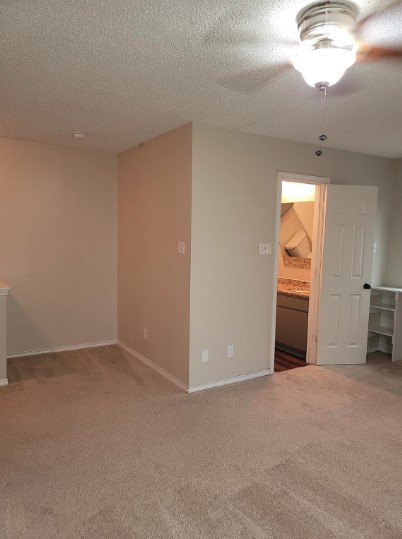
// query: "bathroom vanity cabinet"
[[385, 321], [292, 322]]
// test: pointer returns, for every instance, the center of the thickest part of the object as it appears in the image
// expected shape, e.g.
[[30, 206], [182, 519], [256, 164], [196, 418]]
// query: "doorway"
[[300, 223], [341, 271]]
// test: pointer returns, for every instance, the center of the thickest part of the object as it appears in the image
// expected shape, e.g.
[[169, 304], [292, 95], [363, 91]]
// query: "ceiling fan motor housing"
[[328, 20]]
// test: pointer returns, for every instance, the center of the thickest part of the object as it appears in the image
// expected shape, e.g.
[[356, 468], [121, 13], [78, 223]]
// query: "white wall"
[[300, 216], [305, 212], [393, 273], [233, 208], [58, 245]]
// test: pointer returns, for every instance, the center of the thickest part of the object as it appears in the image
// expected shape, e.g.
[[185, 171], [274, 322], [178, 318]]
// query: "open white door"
[[347, 260]]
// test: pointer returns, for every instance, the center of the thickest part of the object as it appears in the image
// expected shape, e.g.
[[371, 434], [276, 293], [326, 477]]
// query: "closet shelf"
[[382, 330], [385, 321], [384, 306]]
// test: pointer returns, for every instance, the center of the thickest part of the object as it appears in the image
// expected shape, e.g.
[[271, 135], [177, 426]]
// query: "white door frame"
[[318, 227]]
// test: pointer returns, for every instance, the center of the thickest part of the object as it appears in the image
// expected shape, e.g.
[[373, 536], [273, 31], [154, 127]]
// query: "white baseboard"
[[3, 382], [153, 366], [63, 349], [385, 349], [226, 381]]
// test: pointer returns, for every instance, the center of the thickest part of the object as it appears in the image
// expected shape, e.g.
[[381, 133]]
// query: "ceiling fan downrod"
[[322, 87]]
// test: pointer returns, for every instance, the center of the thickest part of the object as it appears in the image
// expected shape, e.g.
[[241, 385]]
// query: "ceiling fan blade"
[[235, 27], [367, 53], [229, 37], [241, 27], [377, 14], [251, 81]]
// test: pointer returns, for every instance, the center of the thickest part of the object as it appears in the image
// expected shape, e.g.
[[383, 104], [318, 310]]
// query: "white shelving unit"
[[385, 322]]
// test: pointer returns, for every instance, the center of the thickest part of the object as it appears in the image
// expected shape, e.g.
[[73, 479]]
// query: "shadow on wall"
[[27, 331]]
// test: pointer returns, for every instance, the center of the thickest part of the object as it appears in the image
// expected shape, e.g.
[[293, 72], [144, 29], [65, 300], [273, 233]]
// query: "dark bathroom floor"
[[285, 361]]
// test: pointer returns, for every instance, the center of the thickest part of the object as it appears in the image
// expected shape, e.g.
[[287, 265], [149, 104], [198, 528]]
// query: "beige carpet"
[[94, 444]]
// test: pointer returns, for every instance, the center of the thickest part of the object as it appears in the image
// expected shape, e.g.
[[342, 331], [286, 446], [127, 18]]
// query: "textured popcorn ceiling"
[[124, 71]]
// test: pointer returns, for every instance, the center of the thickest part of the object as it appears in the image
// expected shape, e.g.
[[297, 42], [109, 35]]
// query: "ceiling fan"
[[333, 27], [330, 44]]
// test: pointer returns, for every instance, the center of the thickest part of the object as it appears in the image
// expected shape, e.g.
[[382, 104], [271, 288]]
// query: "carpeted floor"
[[95, 444]]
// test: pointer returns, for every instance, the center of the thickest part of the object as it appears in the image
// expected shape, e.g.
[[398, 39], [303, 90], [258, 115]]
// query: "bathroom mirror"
[[295, 233]]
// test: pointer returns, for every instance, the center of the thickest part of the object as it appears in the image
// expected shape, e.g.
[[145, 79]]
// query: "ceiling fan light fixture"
[[324, 65]]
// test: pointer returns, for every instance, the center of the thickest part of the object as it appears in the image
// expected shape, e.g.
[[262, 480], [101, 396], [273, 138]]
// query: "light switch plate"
[[204, 355], [181, 247], [264, 248]]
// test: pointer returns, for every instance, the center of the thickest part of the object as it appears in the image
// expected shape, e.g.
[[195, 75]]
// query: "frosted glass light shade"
[[324, 65]]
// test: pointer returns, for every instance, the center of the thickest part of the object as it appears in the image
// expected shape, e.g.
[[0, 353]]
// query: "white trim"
[[4, 382], [153, 366], [63, 349], [315, 275], [300, 178], [227, 381], [380, 348], [276, 264]]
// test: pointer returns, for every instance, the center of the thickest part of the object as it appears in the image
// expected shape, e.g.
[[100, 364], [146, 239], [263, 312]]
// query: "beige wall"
[[154, 213], [393, 273], [233, 209], [58, 245]]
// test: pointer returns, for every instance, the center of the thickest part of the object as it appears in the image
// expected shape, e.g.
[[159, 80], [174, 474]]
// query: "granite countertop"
[[294, 288], [4, 288]]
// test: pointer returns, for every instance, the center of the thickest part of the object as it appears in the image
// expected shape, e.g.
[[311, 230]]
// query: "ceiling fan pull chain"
[[323, 115]]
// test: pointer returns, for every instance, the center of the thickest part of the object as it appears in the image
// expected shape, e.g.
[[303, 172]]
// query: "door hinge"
[[315, 337]]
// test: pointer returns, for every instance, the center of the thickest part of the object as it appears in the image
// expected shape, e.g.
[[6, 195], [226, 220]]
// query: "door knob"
[[367, 286]]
